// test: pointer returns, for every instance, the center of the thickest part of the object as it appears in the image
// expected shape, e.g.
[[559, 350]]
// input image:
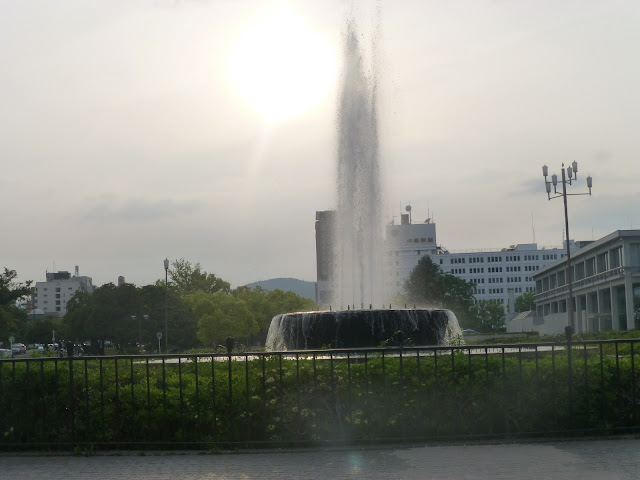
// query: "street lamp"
[[568, 175], [166, 305]]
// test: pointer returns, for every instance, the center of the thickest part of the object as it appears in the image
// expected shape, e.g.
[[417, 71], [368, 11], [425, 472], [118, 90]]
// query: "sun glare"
[[281, 67]]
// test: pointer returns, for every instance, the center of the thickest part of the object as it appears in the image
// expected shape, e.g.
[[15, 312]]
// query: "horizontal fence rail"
[[317, 397]]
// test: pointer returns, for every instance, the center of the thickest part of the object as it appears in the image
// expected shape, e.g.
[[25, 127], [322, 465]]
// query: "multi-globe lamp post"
[[166, 305], [569, 175]]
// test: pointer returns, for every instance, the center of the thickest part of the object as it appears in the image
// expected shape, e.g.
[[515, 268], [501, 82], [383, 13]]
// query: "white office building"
[[500, 275], [53, 295]]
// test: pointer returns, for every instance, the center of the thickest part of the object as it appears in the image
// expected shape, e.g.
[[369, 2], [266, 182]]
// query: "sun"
[[281, 67]]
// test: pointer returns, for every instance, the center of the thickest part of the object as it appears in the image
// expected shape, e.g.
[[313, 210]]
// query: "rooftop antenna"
[[533, 229], [408, 209]]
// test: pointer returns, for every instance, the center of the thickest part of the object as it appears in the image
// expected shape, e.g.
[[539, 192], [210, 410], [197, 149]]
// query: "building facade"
[[53, 295], [605, 284], [325, 248], [499, 275]]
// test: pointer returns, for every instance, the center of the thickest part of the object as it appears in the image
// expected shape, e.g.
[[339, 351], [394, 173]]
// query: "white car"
[[5, 353], [18, 348]]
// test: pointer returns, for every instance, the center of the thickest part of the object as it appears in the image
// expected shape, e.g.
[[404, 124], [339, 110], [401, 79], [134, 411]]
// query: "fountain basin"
[[360, 328]]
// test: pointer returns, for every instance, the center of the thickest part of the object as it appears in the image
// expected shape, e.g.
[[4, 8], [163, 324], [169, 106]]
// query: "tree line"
[[201, 308]]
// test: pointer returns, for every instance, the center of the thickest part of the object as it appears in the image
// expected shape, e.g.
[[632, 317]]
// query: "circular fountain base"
[[360, 328]]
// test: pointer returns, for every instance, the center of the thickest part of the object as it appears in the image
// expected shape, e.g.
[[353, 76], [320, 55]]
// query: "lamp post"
[[568, 175], [166, 305]]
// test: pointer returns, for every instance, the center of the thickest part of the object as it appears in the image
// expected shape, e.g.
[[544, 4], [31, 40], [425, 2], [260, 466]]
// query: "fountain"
[[361, 328], [357, 265]]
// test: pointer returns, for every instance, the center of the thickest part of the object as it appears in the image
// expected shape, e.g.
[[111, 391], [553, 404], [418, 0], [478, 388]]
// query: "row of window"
[[420, 240], [506, 258]]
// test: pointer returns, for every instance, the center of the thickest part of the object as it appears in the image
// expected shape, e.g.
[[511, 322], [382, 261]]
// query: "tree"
[[525, 302], [486, 317], [187, 279], [424, 285], [12, 318], [10, 290], [221, 315], [128, 315], [264, 305], [427, 286]]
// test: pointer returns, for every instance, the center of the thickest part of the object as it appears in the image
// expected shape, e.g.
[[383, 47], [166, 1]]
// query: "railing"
[[320, 397]]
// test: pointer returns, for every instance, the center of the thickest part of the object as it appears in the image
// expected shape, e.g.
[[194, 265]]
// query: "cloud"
[[136, 210]]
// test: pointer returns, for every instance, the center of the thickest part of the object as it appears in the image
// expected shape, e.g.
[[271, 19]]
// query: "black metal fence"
[[319, 397]]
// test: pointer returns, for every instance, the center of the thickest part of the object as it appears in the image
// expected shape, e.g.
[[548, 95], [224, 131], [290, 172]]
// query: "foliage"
[[486, 317], [525, 302], [187, 279], [427, 286], [264, 305], [220, 315], [12, 319], [127, 316], [319, 398]]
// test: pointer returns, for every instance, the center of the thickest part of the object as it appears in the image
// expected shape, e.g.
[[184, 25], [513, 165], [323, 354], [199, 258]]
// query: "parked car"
[[468, 331], [18, 348], [5, 353]]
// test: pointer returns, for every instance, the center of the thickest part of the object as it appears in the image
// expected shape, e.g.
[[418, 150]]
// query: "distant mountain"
[[299, 287]]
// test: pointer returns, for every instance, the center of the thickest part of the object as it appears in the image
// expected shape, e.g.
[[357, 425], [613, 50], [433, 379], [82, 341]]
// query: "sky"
[[134, 131]]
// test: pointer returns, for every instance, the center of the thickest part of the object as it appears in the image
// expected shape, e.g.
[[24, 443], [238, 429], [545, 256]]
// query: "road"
[[609, 459]]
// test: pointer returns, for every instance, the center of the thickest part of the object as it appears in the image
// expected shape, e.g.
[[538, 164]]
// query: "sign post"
[[159, 335]]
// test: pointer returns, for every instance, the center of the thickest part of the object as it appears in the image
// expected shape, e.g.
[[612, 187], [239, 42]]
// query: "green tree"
[[187, 279], [264, 305], [40, 330], [486, 317], [525, 302], [12, 318], [128, 315], [427, 286], [79, 315], [220, 315]]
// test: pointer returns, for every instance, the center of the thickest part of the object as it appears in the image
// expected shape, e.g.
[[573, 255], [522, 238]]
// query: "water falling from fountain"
[[361, 328], [358, 272]]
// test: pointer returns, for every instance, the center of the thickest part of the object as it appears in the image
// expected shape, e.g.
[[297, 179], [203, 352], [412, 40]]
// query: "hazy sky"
[[131, 131]]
